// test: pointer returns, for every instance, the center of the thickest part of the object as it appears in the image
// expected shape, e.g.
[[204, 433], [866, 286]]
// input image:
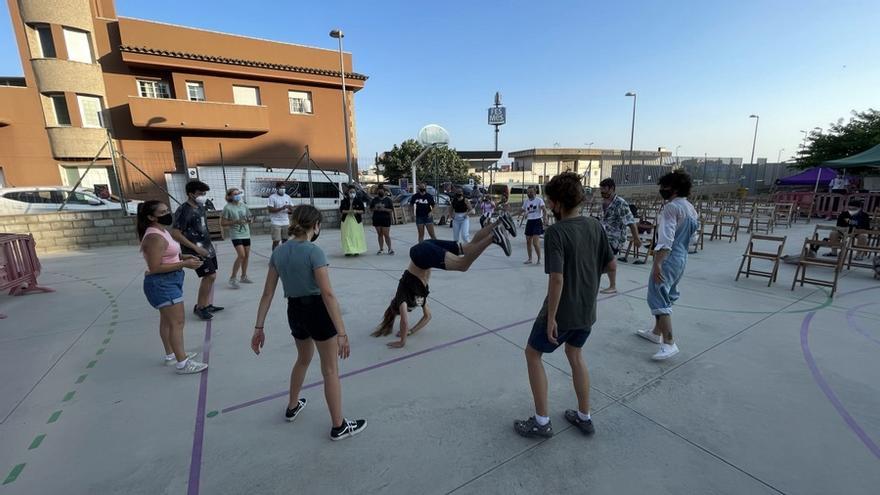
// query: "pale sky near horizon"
[[699, 68]]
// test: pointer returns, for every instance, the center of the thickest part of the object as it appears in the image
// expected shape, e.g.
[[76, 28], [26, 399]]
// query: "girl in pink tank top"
[[172, 252]]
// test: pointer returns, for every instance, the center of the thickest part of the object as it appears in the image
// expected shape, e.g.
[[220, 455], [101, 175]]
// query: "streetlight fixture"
[[632, 131], [779, 155], [338, 34], [755, 138]]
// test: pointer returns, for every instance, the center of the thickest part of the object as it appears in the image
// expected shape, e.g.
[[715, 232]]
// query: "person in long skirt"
[[352, 209]]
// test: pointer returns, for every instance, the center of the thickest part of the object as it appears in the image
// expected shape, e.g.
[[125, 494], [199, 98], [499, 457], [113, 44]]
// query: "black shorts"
[[209, 266], [534, 227], [241, 242], [538, 337], [431, 253], [381, 221], [308, 318]]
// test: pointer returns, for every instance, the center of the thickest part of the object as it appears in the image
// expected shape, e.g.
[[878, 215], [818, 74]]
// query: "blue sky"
[[699, 67]]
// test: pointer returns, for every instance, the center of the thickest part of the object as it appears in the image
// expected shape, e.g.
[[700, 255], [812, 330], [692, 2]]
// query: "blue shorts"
[[534, 227], [424, 220], [431, 253], [164, 289], [539, 342]]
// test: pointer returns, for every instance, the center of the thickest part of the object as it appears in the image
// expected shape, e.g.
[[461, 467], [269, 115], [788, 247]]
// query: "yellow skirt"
[[353, 241]]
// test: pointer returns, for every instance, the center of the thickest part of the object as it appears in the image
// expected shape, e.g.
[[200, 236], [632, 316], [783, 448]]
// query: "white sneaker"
[[172, 361], [191, 367], [650, 335], [233, 283], [666, 351]]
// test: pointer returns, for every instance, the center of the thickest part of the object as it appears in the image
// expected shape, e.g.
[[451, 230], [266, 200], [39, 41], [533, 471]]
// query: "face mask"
[[605, 194], [280, 191], [853, 212], [201, 200], [422, 190], [381, 194], [351, 195], [665, 193], [165, 219], [459, 195], [316, 234], [236, 197]]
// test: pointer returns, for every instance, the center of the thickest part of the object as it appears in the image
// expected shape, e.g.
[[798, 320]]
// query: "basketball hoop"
[[433, 135]]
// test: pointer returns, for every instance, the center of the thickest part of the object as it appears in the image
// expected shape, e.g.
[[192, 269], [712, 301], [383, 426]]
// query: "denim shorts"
[[424, 220], [164, 289]]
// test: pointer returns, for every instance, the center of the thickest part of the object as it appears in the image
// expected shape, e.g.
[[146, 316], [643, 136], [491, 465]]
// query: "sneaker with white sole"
[[233, 283], [508, 223], [530, 428], [666, 351], [650, 335], [348, 429], [172, 361], [191, 367], [499, 236], [291, 414], [246, 280]]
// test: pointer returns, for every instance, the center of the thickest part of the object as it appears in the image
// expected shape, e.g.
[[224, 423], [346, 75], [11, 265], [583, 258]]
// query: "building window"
[[195, 90], [148, 88], [47, 45], [300, 101], [91, 110], [246, 95], [59, 105], [79, 47]]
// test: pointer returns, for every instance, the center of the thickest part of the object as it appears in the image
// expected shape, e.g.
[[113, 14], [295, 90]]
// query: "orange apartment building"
[[170, 97]]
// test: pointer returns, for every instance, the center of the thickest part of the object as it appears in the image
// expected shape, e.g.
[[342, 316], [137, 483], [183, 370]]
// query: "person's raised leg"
[[537, 380], [305, 349], [327, 351], [469, 253], [580, 377], [484, 232]]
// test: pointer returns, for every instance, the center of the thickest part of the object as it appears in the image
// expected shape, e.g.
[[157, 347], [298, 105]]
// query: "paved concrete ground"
[[774, 390]]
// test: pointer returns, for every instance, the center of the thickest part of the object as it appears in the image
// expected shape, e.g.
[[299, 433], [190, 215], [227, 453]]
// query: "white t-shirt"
[[276, 201], [533, 208], [838, 183]]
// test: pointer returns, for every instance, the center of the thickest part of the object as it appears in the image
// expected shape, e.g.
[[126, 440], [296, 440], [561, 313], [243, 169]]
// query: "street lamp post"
[[676, 155], [755, 138], [779, 155], [632, 131], [338, 34]]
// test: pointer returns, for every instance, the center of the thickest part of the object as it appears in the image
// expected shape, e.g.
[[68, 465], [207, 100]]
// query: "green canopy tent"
[[867, 159]]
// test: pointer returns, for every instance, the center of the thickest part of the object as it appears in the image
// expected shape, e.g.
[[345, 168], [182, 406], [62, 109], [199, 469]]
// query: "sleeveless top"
[[172, 251]]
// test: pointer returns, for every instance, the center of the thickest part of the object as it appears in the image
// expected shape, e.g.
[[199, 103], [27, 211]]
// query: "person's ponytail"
[[303, 218]]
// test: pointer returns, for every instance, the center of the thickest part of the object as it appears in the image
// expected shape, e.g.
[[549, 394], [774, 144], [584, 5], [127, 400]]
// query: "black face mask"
[[316, 234], [165, 219], [665, 193], [556, 215], [422, 190]]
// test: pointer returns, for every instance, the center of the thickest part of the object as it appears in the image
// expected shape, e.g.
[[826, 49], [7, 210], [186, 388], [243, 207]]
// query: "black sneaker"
[[203, 313], [530, 428], [348, 429], [508, 223], [291, 414], [213, 308], [586, 427], [499, 236]]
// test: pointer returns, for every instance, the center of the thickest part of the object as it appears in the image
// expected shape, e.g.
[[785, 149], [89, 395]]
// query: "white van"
[[516, 192]]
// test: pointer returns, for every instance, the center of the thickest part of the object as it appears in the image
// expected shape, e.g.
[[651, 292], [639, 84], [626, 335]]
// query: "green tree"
[[440, 163], [842, 139]]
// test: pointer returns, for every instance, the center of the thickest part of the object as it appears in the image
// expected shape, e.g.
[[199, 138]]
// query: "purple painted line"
[[195, 463], [382, 364], [826, 389], [851, 319]]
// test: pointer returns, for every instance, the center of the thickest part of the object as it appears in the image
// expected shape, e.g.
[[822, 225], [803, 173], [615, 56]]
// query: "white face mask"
[[853, 212], [201, 200], [351, 195]]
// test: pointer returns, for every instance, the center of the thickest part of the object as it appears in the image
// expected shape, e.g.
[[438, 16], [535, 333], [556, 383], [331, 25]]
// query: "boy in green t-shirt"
[[237, 218]]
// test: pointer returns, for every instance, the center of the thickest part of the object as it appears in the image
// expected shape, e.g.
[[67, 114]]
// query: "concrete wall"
[[78, 231]]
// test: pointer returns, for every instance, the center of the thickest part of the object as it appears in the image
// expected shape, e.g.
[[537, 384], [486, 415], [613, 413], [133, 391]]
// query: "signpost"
[[497, 117]]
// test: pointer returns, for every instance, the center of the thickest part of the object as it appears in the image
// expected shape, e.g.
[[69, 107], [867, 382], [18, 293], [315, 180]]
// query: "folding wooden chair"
[[746, 216], [769, 255], [764, 219], [809, 258], [708, 225], [784, 214], [728, 225], [863, 247]]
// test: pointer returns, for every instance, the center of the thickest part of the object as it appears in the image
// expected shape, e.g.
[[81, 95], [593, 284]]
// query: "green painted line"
[[92, 364], [106, 341], [212, 414], [81, 378], [54, 417], [68, 396], [113, 323], [13, 475], [37, 441], [100, 351], [114, 310]]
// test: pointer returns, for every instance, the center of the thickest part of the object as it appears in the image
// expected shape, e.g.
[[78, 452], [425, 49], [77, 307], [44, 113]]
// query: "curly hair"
[[566, 190], [679, 181]]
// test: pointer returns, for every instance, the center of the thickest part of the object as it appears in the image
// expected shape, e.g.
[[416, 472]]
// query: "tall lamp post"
[[338, 34], [632, 131], [755, 138], [676, 155], [779, 155]]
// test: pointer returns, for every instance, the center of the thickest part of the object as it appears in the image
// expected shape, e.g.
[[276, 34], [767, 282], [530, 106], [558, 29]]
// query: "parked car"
[[132, 203], [18, 200]]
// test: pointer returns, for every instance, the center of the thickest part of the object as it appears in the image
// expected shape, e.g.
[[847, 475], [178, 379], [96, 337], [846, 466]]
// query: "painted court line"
[[13, 475], [195, 464]]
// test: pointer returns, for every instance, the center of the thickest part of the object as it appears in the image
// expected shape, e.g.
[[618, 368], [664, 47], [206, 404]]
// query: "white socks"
[[182, 364], [169, 357], [542, 420], [583, 417]]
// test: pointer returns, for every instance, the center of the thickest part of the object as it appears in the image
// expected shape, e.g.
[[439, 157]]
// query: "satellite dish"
[[433, 134]]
